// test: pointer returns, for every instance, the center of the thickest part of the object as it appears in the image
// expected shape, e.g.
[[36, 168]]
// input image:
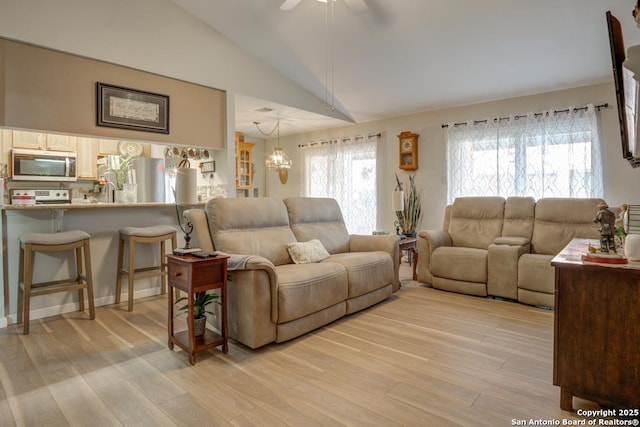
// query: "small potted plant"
[[200, 303], [409, 217]]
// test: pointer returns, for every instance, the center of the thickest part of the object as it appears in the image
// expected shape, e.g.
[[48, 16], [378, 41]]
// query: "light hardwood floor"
[[422, 358]]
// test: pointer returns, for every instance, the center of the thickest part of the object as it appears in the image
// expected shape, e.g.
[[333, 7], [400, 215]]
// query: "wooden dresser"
[[597, 329]]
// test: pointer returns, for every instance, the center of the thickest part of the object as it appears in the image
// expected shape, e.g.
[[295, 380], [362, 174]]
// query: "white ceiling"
[[407, 56]]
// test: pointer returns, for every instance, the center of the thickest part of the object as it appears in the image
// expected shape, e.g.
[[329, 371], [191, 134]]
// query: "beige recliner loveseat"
[[273, 299], [503, 247]]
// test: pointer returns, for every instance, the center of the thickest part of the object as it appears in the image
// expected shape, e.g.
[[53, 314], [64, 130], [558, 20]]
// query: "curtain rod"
[[336, 140], [475, 122]]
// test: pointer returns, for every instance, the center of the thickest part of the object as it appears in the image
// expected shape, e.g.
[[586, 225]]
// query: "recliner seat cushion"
[[462, 264], [308, 288], [535, 273], [366, 271]]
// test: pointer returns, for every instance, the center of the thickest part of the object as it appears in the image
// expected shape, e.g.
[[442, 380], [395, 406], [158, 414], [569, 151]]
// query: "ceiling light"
[[277, 160]]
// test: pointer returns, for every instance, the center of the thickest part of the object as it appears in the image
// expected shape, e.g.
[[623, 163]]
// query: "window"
[[551, 154], [346, 171]]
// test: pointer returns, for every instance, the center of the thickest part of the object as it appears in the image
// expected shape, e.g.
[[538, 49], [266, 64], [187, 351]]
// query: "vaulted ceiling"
[[407, 56]]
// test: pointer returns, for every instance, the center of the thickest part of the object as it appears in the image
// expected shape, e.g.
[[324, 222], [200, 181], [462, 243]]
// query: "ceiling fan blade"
[[289, 4], [356, 5]]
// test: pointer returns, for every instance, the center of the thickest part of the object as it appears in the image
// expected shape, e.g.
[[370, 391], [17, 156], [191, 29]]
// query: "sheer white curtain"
[[549, 154], [344, 169]]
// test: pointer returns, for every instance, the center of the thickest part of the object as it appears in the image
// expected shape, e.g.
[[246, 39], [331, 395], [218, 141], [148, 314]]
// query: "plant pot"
[[199, 326]]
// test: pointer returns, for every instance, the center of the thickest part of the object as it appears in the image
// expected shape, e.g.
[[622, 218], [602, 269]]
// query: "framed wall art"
[[126, 108]]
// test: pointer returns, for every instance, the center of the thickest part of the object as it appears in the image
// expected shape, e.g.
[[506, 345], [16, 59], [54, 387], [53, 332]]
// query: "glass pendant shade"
[[278, 160]]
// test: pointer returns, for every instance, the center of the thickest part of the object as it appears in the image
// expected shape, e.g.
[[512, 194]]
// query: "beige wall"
[[620, 180], [54, 91]]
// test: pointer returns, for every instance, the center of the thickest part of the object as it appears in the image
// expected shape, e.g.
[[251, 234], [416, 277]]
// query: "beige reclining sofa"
[[270, 297], [503, 247]]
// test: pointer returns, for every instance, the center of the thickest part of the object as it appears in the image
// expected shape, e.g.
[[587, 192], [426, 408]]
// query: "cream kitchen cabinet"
[[244, 161], [61, 142], [87, 158], [30, 140], [108, 146], [43, 141], [5, 145]]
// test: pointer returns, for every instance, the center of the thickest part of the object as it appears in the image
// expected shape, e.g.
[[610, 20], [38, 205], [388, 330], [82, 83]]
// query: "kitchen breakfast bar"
[[103, 222]]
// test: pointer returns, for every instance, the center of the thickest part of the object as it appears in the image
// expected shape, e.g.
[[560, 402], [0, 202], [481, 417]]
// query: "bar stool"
[[30, 243], [133, 235]]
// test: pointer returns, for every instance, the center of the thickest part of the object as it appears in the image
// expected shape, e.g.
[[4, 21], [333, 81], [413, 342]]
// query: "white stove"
[[40, 197]]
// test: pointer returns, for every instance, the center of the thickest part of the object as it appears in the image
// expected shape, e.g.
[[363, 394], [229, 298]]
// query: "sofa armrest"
[[512, 241], [388, 244], [366, 243], [502, 266], [435, 239], [238, 264], [429, 241]]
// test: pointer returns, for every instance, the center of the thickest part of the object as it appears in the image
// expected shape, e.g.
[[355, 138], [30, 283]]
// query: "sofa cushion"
[[251, 226], [518, 217], [366, 271], [462, 264], [535, 273], [306, 252], [318, 218], [476, 222], [558, 220], [308, 288]]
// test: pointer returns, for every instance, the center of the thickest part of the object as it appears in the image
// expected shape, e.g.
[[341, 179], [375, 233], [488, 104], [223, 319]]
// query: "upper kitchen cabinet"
[[61, 142], [87, 159], [108, 146], [244, 163], [30, 140], [5, 146], [55, 92], [43, 141]]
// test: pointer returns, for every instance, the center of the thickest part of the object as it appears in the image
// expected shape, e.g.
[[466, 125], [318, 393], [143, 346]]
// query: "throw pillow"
[[306, 252]]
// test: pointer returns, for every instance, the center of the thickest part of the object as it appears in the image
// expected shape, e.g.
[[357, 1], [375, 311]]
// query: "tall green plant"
[[409, 218], [120, 168]]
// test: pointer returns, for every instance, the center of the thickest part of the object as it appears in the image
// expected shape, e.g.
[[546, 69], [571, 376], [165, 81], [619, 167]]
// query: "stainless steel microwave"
[[39, 165]]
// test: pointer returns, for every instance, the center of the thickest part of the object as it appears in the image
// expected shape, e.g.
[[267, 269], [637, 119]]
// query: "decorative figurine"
[[607, 221], [623, 218]]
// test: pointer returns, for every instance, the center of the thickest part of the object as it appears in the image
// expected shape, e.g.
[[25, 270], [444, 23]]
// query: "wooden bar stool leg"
[[28, 265], [79, 277], [20, 286], [120, 265], [174, 244], [89, 278], [132, 256], [163, 269]]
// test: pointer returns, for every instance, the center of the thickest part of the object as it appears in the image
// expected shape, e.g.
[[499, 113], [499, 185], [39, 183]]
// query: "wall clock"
[[408, 144]]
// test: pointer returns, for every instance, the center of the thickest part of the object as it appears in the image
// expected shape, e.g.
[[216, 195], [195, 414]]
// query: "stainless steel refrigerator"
[[150, 177]]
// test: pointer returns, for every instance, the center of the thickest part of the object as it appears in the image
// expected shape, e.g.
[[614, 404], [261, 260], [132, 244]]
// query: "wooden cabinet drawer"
[[179, 274], [206, 274]]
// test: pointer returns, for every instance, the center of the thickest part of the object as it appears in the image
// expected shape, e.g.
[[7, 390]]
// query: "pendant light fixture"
[[278, 159]]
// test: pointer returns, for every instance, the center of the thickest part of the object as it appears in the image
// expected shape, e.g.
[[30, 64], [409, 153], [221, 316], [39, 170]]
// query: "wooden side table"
[[192, 275], [410, 244]]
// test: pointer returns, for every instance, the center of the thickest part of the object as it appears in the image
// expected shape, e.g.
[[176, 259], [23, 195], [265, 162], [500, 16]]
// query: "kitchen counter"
[[72, 206], [103, 222]]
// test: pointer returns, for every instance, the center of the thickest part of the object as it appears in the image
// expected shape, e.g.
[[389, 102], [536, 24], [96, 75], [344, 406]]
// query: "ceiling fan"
[[356, 5]]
